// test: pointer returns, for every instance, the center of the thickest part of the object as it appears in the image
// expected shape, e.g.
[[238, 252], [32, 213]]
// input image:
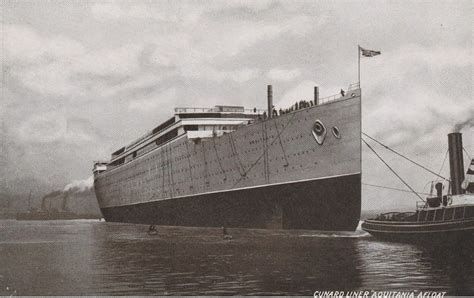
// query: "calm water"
[[91, 257]]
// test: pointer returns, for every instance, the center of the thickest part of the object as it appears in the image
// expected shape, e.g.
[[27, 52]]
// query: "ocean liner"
[[293, 168]]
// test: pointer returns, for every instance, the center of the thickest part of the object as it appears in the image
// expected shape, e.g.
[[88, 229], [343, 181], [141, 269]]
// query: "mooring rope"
[[444, 160], [388, 148], [393, 171], [394, 188]]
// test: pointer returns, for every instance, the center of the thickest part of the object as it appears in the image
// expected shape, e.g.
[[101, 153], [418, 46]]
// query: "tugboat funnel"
[[456, 163]]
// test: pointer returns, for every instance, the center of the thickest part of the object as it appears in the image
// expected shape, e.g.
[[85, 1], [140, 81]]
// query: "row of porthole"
[[199, 187], [335, 131], [193, 167], [220, 183], [213, 174], [208, 175], [189, 155], [199, 165]]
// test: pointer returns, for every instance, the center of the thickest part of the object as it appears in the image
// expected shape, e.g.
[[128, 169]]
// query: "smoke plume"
[[80, 185], [469, 123]]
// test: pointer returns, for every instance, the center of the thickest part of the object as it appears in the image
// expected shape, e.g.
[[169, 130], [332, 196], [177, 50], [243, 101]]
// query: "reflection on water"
[[90, 257]]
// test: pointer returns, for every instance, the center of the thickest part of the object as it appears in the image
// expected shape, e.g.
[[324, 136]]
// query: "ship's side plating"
[[269, 174]]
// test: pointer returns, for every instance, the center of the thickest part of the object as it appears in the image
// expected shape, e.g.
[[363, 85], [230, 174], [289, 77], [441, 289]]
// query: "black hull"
[[449, 233], [325, 204]]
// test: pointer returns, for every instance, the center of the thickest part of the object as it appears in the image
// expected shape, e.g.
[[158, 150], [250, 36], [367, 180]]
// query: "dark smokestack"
[[270, 100], [64, 205], [439, 189], [316, 95], [456, 163], [43, 203]]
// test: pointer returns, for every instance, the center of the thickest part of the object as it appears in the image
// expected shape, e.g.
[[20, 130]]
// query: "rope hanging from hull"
[[170, 171], [236, 156], [265, 152], [218, 159], [274, 140], [281, 144], [189, 163], [163, 168], [206, 169]]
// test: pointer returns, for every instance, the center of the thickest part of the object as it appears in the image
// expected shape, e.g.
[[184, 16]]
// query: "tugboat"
[[443, 219], [49, 213]]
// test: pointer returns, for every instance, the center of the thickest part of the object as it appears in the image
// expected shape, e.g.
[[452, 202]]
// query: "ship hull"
[[322, 204], [273, 173]]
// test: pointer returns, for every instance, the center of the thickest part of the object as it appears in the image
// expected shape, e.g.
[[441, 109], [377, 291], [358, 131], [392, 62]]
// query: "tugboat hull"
[[439, 233]]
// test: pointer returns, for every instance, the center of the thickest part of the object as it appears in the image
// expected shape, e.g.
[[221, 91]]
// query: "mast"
[[358, 68]]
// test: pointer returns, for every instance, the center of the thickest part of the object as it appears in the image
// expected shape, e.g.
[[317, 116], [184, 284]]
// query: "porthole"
[[319, 132], [336, 132]]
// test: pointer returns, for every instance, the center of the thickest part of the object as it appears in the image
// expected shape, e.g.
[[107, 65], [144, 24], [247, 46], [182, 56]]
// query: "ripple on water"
[[118, 259]]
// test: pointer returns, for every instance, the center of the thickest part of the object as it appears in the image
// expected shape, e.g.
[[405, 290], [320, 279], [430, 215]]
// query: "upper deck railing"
[[334, 97], [354, 86], [421, 205], [214, 110], [237, 109]]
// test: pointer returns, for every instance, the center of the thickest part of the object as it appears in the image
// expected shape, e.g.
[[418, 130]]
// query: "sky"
[[82, 78]]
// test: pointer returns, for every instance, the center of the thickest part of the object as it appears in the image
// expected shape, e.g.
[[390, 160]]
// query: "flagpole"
[[358, 64]]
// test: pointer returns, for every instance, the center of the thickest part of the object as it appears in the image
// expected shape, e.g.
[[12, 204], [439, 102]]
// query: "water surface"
[[99, 258]]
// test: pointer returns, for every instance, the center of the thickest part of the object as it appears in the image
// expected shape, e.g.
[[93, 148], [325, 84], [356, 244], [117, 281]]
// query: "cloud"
[[150, 102], [172, 49], [302, 91], [43, 128], [412, 104], [438, 57], [117, 61], [52, 78], [131, 85], [232, 38], [56, 127], [52, 65], [205, 72], [107, 11], [24, 45], [173, 12], [189, 12], [280, 74]]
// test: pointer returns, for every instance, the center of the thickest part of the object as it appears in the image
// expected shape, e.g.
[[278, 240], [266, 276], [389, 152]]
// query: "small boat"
[[152, 230], [442, 219]]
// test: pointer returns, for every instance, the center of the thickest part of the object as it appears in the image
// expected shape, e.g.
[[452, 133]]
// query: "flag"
[[369, 53], [468, 183]]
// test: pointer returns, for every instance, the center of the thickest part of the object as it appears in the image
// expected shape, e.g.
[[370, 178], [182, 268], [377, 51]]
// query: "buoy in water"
[[226, 235], [152, 230]]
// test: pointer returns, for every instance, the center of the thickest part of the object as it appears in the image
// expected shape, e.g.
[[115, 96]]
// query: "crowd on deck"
[[302, 104]]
